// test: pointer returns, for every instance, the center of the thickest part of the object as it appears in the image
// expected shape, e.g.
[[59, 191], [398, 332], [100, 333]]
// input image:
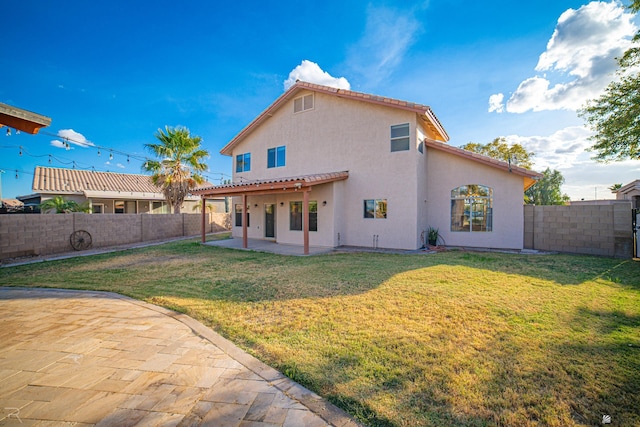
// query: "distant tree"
[[500, 150], [547, 190], [615, 187], [60, 205], [614, 115], [181, 162]]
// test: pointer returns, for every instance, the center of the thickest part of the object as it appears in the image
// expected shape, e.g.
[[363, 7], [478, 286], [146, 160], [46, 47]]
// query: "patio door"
[[270, 220]]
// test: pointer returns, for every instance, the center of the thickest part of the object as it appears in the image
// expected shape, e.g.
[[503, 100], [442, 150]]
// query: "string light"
[[20, 153], [8, 132], [49, 158], [16, 173], [98, 153], [111, 155]]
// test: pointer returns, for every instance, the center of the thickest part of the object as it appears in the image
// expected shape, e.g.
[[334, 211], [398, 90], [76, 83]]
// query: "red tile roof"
[[274, 184]]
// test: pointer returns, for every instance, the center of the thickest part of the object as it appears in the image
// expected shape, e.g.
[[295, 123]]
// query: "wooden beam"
[[203, 220], [245, 240], [305, 220]]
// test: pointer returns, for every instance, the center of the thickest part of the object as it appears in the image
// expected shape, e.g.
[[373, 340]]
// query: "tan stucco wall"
[[446, 172], [340, 135]]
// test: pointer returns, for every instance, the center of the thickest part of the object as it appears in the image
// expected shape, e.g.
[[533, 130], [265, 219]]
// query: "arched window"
[[472, 208]]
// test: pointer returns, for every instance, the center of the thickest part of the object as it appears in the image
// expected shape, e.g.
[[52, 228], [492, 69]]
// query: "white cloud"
[[120, 165], [311, 72], [388, 35], [565, 150], [581, 52], [73, 137], [496, 103]]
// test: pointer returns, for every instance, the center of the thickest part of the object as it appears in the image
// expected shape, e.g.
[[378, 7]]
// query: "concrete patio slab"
[[101, 359]]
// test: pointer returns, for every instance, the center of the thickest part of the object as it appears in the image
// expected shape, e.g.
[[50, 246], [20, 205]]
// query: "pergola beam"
[[22, 120]]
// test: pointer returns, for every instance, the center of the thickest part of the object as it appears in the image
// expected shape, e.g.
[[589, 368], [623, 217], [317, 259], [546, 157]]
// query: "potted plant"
[[432, 236]]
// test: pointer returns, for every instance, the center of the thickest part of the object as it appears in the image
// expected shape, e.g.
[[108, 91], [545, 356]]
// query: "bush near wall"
[[23, 235]]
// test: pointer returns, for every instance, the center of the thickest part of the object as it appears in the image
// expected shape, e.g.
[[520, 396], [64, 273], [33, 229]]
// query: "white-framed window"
[[276, 157], [303, 103], [375, 208], [472, 208], [158, 207], [400, 137], [295, 215], [243, 162], [238, 209], [97, 208]]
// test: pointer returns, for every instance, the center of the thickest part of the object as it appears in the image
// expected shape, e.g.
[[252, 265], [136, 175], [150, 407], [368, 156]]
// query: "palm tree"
[[178, 170], [60, 205]]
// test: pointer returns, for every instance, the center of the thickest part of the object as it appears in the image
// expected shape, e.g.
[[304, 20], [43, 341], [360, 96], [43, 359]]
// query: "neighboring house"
[[106, 192], [631, 191], [330, 167]]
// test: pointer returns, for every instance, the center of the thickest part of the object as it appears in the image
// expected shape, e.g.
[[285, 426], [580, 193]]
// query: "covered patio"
[[300, 184], [269, 246]]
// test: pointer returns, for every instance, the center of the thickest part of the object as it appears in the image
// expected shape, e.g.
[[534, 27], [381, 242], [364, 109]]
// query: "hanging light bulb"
[[74, 164], [98, 153], [17, 131], [128, 161], [20, 153], [49, 158], [16, 173], [110, 156], [8, 132]]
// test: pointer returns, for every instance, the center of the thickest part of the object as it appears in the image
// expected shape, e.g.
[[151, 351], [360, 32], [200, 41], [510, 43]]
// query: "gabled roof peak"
[[423, 110]]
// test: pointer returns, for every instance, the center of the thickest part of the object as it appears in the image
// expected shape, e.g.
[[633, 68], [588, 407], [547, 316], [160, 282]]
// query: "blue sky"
[[109, 74]]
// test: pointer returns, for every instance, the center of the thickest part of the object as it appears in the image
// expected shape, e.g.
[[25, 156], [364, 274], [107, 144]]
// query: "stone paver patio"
[[94, 358]]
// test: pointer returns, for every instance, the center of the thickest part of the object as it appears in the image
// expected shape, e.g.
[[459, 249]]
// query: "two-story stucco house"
[[331, 167]]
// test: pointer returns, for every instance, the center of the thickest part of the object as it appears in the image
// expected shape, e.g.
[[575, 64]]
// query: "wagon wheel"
[[80, 240]]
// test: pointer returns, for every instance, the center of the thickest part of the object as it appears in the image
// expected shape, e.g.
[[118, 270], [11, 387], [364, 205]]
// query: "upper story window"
[[472, 208], [400, 137], [276, 157], [375, 208], [243, 162], [303, 103]]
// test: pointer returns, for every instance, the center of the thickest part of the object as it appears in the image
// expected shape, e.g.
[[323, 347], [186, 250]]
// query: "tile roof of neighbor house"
[[274, 184], [74, 181], [423, 110]]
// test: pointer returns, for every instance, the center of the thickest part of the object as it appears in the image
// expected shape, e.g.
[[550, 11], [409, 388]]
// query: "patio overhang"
[[22, 120], [298, 184]]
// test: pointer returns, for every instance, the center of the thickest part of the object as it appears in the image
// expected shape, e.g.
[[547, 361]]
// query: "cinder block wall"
[[22, 234], [582, 229]]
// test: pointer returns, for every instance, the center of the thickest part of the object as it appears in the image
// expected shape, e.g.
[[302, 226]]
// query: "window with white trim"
[[243, 162], [295, 215], [400, 137], [472, 208], [276, 157], [303, 103], [375, 208], [238, 209]]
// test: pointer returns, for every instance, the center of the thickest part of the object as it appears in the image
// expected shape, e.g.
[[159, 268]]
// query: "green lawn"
[[454, 338]]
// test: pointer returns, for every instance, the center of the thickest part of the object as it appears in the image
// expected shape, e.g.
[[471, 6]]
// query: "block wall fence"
[[46, 234], [582, 229]]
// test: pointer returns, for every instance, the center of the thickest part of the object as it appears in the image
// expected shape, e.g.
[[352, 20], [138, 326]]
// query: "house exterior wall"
[[446, 172], [339, 134]]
